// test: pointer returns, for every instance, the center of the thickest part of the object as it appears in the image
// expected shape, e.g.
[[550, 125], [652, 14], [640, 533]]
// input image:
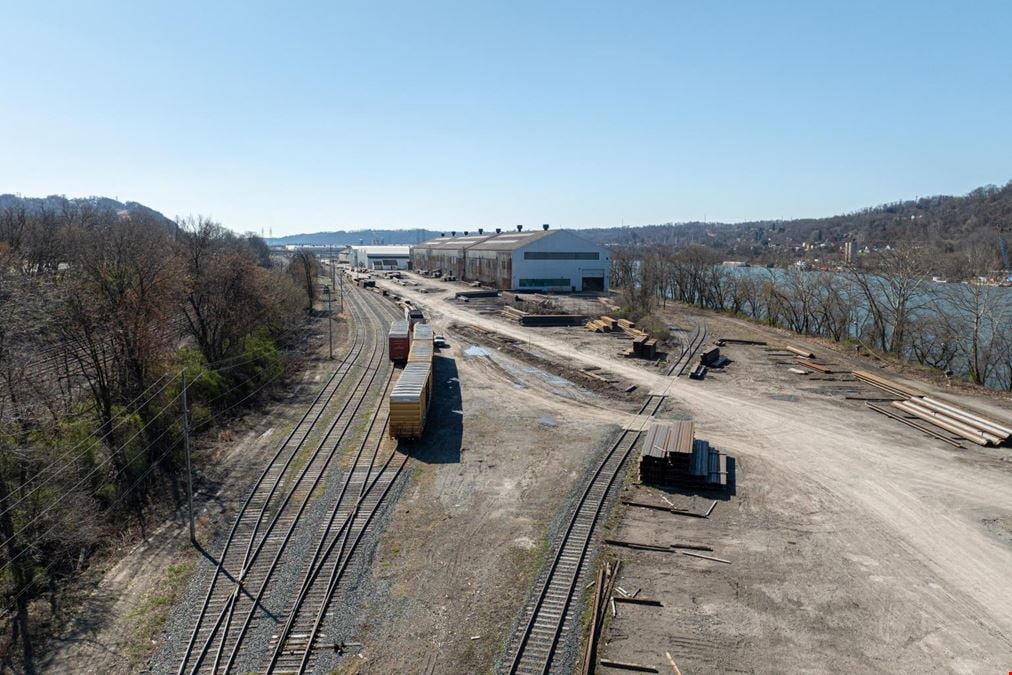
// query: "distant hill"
[[355, 237], [944, 223], [58, 203]]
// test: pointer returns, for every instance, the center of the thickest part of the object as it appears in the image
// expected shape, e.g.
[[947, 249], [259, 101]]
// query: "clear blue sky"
[[304, 116]]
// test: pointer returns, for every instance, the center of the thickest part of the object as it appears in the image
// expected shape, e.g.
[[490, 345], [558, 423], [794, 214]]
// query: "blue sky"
[[305, 116]]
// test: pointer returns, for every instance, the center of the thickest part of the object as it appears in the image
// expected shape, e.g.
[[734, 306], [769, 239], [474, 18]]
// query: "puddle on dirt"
[[547, 421], [475, 350], [784, 397]]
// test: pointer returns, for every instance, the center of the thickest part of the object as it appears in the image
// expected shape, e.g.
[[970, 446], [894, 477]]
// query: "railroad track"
[[689, 351], [552, 612], [276, 510]]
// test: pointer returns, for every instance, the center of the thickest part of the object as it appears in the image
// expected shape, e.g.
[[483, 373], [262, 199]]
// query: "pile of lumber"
[[629, 328], [514, 314], [673, 456], [605, 324]]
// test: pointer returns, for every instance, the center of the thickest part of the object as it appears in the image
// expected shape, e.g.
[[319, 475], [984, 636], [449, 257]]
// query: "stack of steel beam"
[[671, 455]]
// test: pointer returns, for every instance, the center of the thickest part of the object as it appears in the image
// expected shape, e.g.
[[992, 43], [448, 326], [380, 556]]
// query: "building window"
[[561, 255], [540, 283]]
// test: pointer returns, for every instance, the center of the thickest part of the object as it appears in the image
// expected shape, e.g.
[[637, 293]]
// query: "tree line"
[[101, 310], [885, 301], [945, 225]]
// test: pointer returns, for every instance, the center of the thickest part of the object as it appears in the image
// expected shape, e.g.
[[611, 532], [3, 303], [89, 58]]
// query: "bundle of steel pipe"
[[1001, 431], [916, 408]]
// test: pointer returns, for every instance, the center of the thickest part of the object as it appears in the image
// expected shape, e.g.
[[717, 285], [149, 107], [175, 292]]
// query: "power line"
[[93, 471], [95, 442]]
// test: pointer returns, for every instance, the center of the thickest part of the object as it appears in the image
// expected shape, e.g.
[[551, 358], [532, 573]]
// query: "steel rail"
[[548, 615], [251, 555], [277, 557], [249, 568], [326, 393], [319, 555]]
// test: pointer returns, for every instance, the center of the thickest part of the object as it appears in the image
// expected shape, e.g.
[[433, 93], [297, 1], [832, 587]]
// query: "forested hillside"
[[945, 224], [102, 307]]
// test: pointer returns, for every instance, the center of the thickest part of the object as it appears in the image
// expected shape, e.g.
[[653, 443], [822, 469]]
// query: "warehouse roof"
[[506, 241], [455, 242]]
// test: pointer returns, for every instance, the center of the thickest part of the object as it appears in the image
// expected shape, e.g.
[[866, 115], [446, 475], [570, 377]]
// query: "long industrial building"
[[537, 260]]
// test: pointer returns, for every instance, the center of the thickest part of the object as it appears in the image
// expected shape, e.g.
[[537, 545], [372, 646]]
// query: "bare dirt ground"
[[120, 608], [856, 542], [507, 443]]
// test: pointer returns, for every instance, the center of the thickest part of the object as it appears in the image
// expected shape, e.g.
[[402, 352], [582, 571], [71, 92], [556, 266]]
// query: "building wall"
[[560, 262], [362, 257], [488, 267], [387, 262]]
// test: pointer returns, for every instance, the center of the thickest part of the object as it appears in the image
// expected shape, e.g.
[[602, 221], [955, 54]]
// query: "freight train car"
[[413, 315], [399, 341], [412, 394], [421, 344], [409, 401]]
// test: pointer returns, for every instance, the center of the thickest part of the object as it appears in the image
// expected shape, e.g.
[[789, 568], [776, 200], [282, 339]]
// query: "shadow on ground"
[[444, 429]]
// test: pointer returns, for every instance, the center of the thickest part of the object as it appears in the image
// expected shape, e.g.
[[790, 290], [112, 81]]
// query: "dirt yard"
[[855, 542], [508, 442]]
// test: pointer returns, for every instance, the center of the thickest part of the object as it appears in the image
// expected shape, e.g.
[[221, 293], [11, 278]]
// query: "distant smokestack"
[[545, 226], [481, 230], [498, 230], [520, 228]]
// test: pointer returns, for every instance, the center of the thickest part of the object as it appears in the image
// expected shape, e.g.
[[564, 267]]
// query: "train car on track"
[[409, 401], [421, 344], [411, 396], [413, 315], [399, 341]]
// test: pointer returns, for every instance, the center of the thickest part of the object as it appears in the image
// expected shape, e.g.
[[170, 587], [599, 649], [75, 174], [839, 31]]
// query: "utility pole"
[[189, 465], [333, 268], [329, 290]]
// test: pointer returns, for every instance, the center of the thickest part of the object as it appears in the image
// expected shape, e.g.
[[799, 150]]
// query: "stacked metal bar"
[[671, 455]]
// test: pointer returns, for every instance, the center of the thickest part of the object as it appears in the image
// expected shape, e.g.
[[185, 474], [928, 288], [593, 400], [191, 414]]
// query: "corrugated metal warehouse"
[[538, 260], [380, 257]]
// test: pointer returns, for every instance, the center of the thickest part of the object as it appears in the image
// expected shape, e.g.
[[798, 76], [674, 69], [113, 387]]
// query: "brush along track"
[[274, 509], [552, 612]]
